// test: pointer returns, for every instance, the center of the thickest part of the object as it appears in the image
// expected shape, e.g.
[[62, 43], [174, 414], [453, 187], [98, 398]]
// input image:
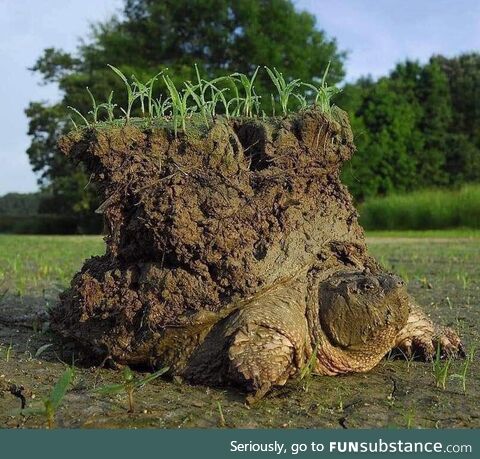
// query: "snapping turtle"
[[234, 254]]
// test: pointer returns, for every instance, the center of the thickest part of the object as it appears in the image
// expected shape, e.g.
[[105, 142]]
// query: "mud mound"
[[199, 221]]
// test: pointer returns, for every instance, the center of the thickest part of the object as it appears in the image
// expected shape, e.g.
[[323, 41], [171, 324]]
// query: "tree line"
[[417, 127]]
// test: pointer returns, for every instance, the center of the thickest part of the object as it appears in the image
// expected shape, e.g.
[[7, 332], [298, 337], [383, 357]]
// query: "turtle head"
[[357, 307]]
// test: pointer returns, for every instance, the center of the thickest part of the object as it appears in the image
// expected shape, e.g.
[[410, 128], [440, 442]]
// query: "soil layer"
[[202, 221]]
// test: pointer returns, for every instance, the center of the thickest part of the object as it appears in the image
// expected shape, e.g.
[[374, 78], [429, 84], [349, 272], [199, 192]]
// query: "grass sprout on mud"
[[230, 95], [462, 376], [441, 368], [132, 94], [323, 93], [285, 90], [409, 416], [7, 352], [306, 372], [179, 104], [50, 404], [129, 385], [251, 100], [221, 421]]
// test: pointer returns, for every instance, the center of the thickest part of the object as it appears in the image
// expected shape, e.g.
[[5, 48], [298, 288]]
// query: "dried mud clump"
[[201, 224], [197, 221]]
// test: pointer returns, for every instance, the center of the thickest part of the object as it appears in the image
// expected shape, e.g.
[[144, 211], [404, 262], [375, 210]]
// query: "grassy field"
[[43, 263], [442, 270], [454, 233], [424, 210]]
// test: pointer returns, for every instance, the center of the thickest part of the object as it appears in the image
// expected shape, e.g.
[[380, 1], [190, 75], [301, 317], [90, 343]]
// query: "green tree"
[[434, 125], [418, 127], [19, 203], [221, 36], [386, 138], [463, 153]]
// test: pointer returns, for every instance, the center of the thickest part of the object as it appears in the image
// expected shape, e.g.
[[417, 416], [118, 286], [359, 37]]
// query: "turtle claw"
[[425, 346], [421, 348], [422, 339], [449, 344], [251, 399]]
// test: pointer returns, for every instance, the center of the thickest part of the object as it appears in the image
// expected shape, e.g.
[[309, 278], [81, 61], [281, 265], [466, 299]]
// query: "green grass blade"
[[130, 94], [110, 389], [121, 75], [79, 114], [151, 377], [309, 366], [324, 78], [60, 388]]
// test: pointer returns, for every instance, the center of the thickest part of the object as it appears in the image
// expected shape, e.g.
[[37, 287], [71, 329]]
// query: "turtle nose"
[[390, 281], [398, 281]]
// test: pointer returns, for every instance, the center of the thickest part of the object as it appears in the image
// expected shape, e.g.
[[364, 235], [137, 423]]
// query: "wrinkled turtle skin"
[[359, 317], [235, 256]]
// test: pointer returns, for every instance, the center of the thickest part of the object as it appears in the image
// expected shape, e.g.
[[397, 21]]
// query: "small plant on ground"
[[221, 422], [145, 93], [340, 406], [449, 302], [250, 100], [323, 93], [8, 352], [462, 376], [179, 103], [307, 371], [131, 94], [198, 97], [50, 405], [409, 415], [285, 90], [441, 368], [464, 278], [129, 385]]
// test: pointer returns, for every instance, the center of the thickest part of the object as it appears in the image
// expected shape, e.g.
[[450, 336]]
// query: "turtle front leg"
[[259, 359], [420, 337], [267, 341]]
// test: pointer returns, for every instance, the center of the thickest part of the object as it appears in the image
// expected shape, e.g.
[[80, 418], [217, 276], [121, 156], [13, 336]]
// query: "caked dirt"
[[442, 275], [195, 224], [199, 222]]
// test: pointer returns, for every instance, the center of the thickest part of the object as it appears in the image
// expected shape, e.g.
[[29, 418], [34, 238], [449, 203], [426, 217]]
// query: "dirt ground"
[[442, 273]]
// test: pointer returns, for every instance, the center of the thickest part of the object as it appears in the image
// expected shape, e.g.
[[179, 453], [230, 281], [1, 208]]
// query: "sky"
[[376, 33]]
